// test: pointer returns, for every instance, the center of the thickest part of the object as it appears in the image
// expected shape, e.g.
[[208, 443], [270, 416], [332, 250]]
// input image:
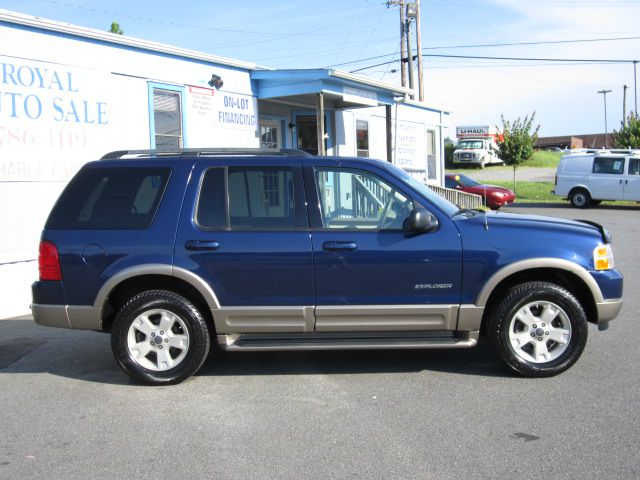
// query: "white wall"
[[409, 136], [65, 101]]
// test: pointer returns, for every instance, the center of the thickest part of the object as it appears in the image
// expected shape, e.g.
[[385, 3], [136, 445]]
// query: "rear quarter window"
[[110, 198]]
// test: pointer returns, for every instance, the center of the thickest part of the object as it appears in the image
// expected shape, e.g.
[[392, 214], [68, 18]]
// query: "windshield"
[[445, 205], [470, 144], [466, 181]]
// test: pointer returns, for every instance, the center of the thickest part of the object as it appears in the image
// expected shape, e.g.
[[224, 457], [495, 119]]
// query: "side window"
[[608, 165], [261, 197], [113, 198], [212, 211], [634, 166], [360, 200]]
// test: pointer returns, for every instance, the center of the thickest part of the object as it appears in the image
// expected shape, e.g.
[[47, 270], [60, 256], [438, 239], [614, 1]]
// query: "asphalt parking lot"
[[69, 412]]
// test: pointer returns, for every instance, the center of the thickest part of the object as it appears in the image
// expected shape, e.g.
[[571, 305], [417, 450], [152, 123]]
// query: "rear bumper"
[[77, 317]]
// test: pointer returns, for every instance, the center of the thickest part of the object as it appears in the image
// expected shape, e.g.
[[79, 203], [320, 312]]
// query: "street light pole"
[[635, 88], [606, 131]]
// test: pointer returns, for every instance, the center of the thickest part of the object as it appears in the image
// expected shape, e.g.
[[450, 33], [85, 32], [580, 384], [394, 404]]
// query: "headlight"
[[603, 257], [498, 194]]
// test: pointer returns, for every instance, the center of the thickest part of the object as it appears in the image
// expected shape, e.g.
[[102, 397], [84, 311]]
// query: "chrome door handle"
[[340, 246], [200, 245]]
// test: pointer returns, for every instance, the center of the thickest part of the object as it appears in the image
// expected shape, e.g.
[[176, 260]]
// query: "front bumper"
[[608, 310]]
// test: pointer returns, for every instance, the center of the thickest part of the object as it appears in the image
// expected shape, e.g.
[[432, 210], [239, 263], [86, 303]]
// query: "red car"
[[494, 196]]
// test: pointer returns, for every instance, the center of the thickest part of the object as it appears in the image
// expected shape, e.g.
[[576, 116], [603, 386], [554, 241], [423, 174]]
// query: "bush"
[[629, 134]]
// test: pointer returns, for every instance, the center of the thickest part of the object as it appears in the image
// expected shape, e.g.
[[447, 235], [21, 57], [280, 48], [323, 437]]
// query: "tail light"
[[48, 261]]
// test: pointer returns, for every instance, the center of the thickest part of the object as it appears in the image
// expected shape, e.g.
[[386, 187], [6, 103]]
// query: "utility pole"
[[403, 45], [419, 48], [624, 105], [412, 14], [606, 131], [410, 11], [410, 57]]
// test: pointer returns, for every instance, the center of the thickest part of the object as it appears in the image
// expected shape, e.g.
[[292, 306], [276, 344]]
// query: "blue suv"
[[254, 250]]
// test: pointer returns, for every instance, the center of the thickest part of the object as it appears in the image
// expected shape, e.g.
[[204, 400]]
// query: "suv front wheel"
[[539, 329], [159, 338]]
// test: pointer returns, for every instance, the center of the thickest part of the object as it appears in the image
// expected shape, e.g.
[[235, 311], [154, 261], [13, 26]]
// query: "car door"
[[244, 231], [632, 180], [370, 273], [606, 179]]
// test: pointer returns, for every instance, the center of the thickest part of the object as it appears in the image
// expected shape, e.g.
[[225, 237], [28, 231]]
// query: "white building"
[[70, 94]]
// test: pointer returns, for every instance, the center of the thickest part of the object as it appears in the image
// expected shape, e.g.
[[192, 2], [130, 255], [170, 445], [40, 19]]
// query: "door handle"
[[340, 246], [199, 245]]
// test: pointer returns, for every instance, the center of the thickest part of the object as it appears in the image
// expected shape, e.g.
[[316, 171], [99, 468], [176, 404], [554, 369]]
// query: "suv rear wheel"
[[539, 329], [159, 338]]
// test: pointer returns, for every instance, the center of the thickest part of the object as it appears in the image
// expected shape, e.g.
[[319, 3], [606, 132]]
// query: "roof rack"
[[200, 152]]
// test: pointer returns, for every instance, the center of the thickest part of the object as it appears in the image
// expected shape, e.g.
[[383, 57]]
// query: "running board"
[[253, 342]]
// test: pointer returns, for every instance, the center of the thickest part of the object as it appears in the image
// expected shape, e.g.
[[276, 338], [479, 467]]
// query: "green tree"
[[448, 154], [115, 28], [629, 134], [518, 140]]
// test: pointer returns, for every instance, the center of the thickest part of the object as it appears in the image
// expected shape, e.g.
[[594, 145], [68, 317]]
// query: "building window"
[[167, 119], [362, 137], [431, 155], [270, 136], [431, 142]]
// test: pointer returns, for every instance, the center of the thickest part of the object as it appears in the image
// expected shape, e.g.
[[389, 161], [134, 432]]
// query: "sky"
[[356, 34]]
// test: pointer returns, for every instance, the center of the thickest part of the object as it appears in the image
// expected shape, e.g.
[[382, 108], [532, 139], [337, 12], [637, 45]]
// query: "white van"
[[587, 179]]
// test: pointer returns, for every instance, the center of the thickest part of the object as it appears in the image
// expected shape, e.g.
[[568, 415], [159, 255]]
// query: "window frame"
[[165, 171], [633, 160], [358, 149], [622, 167], [300, 218], [316, 217], [181, 91]]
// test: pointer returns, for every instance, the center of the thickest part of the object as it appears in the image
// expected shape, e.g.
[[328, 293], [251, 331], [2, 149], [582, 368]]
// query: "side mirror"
[[421, 220]]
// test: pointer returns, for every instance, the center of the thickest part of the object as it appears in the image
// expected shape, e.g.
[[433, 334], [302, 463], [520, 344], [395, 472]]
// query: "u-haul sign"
[[475, 131]]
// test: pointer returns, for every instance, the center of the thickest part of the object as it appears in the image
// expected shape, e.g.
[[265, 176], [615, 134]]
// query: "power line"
[[550, 42], [518, 59], [532, 59], [201, 27]]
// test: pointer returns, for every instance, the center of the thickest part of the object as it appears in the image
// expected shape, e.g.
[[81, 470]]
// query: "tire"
[[530, 325], [580, 198], [159, 338]]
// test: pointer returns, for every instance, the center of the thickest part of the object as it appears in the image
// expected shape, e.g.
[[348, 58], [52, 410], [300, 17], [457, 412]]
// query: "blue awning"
[[345, 89]]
